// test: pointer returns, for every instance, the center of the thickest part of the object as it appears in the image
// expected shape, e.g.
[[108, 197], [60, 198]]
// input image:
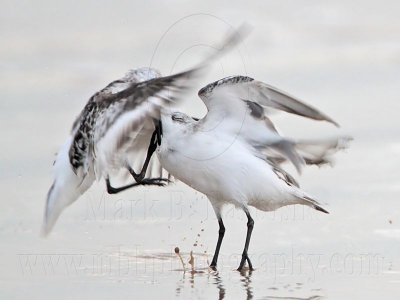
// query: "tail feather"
[[306, 200], [321, 209]]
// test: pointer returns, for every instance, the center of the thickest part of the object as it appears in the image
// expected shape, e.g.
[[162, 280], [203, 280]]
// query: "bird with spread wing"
[[116, 131], [232, 155]]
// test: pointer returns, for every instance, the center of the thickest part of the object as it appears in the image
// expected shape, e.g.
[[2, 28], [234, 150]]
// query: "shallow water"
[[342, 57]]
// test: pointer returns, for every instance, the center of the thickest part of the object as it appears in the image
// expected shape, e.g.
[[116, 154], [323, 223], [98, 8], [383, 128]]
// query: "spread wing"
[[239, 106], [116, 125], [125, 124]]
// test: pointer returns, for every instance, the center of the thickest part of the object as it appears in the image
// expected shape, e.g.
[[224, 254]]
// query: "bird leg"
[[159, 132], [250, 225], [139, 178], [152, 147], [147, 181], [221, 233]]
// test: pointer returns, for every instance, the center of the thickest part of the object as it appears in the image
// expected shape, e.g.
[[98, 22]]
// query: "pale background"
[[341, 56]]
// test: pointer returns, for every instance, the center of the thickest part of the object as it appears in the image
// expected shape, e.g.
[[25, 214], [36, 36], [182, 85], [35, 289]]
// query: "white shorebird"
[[232, 155], [114, 129]]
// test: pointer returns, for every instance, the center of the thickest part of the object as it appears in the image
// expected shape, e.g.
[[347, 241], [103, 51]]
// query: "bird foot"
[[245, 258], [155, 181]]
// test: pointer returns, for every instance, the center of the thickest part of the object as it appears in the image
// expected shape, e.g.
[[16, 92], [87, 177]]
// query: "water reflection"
[[246, 282], [228, 284], [219, 284], [215, 278], [291, 298], [188, 278]]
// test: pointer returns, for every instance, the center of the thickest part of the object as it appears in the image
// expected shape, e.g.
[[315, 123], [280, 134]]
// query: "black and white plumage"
[[114, 130], [116, 122], [103, 113], [232, 155]]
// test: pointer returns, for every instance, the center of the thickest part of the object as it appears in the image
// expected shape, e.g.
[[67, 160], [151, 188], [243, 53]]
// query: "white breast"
[[224, 169]]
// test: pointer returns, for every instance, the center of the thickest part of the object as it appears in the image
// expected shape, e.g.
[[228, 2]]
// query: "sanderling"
[[117, 124], [234, 154]]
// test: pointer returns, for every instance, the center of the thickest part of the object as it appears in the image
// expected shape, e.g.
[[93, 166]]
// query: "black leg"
[[221, 233], [152, 147], [250, 225], [159, 132], [150, 181]]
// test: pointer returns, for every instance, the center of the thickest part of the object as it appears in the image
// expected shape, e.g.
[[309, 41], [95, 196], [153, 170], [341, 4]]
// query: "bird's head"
[[179, 117]]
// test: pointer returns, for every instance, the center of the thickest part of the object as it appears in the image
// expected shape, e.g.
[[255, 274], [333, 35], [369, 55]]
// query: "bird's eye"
[[178, 119]]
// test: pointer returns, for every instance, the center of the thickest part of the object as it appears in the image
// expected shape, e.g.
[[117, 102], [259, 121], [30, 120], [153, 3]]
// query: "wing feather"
[[263, 94], [123, 115], [239, 105]]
